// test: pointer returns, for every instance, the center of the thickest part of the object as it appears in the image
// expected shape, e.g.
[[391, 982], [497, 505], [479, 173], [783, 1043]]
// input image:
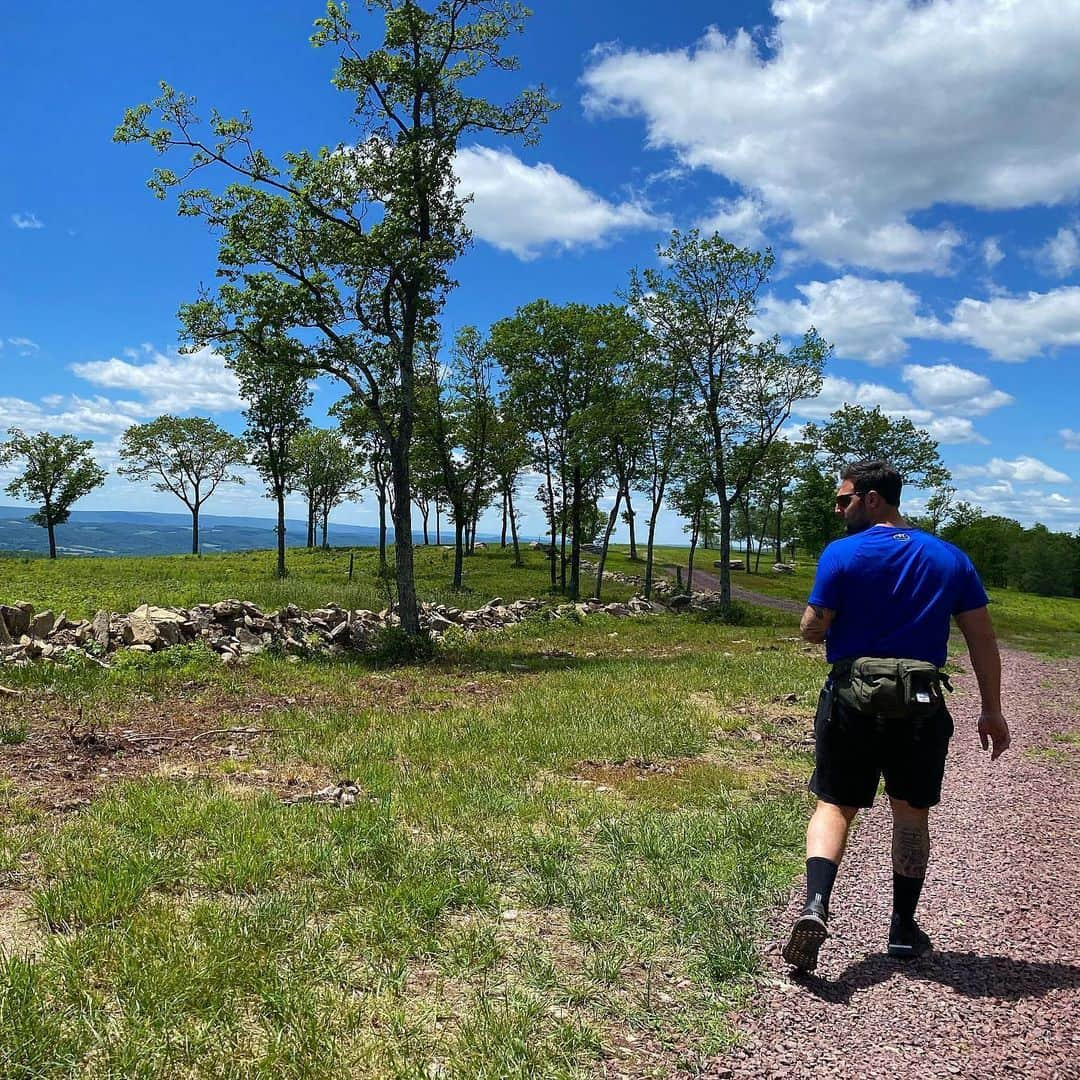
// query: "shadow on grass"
[[967, 973]]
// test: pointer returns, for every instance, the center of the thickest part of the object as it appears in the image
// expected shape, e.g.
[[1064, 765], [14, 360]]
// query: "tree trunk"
[[778, 547], [382, 530], [52, 539], [749, 545], [513, 529], [612, 518], [502, 538], [281, 534], [690, 563], [408, 610], [425, 509], [575, 536], [438, 523], [459, 547], [725, 554], [630, 521], [195, 529], [311, 522], [325, 523]]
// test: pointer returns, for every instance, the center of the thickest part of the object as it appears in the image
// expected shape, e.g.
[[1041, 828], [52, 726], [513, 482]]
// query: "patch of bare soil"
[[1000, 995]]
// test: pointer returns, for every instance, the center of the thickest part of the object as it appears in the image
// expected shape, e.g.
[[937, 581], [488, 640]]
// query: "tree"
[[813, 507], [296, 241], [561, 363], [277, 392], [509, 457], [372, 460], [699, 305], [186, 456], [854, 432], [327, 470], [57, 471]]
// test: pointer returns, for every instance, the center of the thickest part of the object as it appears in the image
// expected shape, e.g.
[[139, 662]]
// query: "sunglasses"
[[844, 500]]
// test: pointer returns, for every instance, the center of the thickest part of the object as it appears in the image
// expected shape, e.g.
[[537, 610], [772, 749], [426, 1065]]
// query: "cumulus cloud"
[[1022, 470], [864, 319], [1051, 508], [78, 415], [525, 209], [991, 252], [948, 388], [1017, 328], [1061, 253], [1070, 438], [837, 392], [853, 117], [740, 221], [199, 382], [27, 221]]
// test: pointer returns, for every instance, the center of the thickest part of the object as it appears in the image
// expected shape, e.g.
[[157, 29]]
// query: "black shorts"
[[853, 750]]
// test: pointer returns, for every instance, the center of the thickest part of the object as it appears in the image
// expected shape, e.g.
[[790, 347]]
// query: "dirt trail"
[[706, 582], [1001, 995]]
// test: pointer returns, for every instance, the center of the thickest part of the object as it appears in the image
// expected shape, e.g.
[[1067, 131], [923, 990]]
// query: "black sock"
[[820, 876], [905, 895]]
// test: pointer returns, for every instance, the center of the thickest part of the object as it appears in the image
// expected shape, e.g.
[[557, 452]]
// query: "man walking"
[[881, 602]]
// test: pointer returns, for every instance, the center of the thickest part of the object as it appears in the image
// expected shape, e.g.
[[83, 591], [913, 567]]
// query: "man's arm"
[[982, 647], [815, 622]]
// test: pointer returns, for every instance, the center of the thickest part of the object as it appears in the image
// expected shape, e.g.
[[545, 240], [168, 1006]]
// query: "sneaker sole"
[[807, 937]]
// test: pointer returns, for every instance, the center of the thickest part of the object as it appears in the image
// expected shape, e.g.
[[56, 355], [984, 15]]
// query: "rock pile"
[[237, 628]]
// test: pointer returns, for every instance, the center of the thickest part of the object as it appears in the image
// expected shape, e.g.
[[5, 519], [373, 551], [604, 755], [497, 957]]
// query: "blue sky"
[[915, 168]]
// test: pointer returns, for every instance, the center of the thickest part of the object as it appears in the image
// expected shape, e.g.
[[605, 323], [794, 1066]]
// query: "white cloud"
[[1056, 511], [526, 208], [27, 221], [953, 430], [1023, 470], [74, 414], [864, 319], [1070, 438], [1017, 328], [25, 346], [948, 388], [1061, 253], [198, 382], [837, 392], [991, 252], [855, 116], [739, 221]]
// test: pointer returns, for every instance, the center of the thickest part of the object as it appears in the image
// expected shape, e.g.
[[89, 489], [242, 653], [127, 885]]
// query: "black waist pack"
[[889, 687]]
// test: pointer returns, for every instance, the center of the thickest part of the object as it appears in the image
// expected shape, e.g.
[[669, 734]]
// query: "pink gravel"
[[1000, 996]]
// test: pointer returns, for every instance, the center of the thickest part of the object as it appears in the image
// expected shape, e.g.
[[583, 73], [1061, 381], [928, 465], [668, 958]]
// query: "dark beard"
[[852, 529]]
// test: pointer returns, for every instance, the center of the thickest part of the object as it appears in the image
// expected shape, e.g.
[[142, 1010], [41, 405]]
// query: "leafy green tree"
[[509, 458], [812, 507], [327, 471], [990, 542], [298, 246], [562, 365], [187, 456], [1045, 563], [276, 389], [372, 459], [57, 471], [700, 305], [854, 432]]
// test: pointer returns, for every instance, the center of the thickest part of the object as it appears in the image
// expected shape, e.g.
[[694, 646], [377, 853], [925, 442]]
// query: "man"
[[887, 591]]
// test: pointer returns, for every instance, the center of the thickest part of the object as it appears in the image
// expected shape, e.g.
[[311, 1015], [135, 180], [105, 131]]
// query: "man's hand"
[[815, 623], [993, 728]]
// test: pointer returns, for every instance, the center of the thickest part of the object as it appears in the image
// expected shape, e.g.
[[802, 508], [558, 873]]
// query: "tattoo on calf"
[[910, 849]]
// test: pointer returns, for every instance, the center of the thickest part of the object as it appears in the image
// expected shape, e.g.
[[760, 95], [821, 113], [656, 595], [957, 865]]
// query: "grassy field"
[[81, 586], [566, 840]]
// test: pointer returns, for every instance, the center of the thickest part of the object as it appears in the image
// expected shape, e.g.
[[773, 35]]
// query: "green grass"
[[489, 906], [82, 586]]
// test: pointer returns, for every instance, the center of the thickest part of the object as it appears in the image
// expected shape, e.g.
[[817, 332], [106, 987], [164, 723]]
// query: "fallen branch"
[[146, 736], [6, 691]]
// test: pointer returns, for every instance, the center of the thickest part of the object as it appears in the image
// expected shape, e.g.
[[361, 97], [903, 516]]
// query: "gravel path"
[[1001, 995]]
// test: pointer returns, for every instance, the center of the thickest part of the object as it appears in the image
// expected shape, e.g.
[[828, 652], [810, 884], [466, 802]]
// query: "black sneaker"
[[807, 936], [906, 940]]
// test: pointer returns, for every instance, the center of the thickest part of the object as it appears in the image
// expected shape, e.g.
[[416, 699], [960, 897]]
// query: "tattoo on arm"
[[818, 611], [910, 849]]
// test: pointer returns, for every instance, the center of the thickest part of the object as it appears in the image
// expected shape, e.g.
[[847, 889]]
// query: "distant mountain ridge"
[[140, 532]]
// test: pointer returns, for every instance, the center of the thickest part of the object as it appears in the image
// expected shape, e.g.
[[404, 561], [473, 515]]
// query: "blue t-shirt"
[[894, 590]]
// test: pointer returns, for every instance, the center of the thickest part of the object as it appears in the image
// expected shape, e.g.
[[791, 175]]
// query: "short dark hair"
[[873, 474]]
